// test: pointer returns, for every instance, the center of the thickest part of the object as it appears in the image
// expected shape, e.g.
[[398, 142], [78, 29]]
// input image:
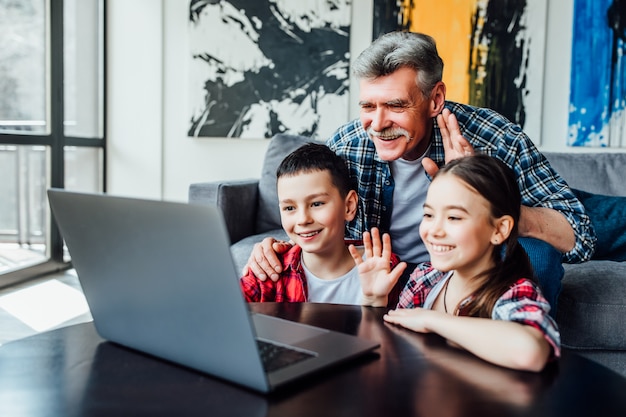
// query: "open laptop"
[[159, 278]]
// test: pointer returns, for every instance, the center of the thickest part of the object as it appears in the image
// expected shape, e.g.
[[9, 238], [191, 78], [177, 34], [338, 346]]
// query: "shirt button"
[[387, 182], [384, 208]]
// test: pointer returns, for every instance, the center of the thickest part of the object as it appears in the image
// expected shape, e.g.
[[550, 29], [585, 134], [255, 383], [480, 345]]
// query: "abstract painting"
[[598, 74], [262, 67], [493, 51]]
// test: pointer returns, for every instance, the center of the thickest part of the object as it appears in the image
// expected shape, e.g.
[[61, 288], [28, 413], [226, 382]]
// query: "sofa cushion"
[[608, 216], [599, 173], [268, 214], [592, 306]]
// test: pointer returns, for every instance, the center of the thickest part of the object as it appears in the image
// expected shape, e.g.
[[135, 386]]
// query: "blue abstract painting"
[[598, 74]]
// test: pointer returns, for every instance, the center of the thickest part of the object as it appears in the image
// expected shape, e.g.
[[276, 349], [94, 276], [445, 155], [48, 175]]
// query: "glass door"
[[51, 123]]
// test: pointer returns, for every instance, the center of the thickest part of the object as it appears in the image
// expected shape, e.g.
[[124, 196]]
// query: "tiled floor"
[[14, 256], [41, 305]]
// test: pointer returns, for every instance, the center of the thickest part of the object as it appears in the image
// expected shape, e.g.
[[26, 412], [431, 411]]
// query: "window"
[[49, 136]]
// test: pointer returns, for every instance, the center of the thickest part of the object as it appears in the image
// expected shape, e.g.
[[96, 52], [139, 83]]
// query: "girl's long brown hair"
[[495, 182]]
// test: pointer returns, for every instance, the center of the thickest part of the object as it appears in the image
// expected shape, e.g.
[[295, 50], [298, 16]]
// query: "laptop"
[[159, 278]]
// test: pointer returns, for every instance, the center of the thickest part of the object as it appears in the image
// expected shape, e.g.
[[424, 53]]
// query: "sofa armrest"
[[238, 201]]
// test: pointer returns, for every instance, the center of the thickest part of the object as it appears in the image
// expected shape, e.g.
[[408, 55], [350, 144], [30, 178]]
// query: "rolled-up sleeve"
[[524, 304], [541, 186]]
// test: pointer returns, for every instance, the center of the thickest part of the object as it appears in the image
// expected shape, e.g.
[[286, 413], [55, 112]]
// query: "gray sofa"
[[592, 304]]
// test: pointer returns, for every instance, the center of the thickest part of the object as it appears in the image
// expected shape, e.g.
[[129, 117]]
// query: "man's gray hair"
[[396, 50]]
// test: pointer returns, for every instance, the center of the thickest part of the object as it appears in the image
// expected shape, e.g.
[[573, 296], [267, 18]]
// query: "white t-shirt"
[[345, 289], [409, 195]]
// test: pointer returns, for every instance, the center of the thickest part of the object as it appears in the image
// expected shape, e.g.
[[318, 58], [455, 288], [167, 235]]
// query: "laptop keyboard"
[[275, 356]]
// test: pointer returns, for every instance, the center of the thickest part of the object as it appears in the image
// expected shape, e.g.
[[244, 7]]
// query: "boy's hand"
[[377, 277], [263, 260]]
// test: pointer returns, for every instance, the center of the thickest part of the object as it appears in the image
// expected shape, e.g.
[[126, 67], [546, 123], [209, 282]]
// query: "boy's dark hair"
[[312, 157]]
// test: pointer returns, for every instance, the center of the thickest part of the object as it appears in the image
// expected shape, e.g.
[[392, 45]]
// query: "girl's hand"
[[415, 319], [505, 343]]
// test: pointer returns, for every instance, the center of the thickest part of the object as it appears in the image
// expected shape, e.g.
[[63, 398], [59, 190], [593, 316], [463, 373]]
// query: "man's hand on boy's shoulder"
[[264, 261]]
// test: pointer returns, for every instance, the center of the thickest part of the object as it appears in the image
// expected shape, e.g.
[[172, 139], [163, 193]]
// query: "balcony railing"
[[23, 206]]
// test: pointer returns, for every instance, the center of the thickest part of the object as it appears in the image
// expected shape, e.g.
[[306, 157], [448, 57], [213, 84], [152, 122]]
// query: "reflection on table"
[[73, 372]]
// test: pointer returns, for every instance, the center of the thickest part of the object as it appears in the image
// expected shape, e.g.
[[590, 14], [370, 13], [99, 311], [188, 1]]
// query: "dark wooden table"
[[73, 372]]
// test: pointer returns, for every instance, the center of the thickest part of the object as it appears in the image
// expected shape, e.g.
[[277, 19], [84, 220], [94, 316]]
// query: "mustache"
[[391, 132]]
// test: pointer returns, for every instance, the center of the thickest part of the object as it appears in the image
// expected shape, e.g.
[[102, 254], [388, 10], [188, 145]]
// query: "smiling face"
[[458, 228], [313, 212], [397, 116]]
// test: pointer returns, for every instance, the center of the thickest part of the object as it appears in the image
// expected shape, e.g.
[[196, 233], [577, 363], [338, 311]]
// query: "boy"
[[316, 199]]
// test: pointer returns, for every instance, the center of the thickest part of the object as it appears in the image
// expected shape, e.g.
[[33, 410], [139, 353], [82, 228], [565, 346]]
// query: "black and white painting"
[[262, 67]]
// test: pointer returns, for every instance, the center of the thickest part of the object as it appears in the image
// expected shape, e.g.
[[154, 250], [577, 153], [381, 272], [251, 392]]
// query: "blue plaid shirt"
[[489, 133]]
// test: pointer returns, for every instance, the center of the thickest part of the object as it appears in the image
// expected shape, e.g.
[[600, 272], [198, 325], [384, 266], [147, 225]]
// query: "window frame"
[[56, 140]]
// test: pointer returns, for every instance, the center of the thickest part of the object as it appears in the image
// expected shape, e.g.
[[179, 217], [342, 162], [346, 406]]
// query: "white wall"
[[186, 159], [557, 77], [149, 153], [134, 98]]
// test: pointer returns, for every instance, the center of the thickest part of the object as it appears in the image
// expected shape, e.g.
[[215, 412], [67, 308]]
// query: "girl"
[[478, 290]]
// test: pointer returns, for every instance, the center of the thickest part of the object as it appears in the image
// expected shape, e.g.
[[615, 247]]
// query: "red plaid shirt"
[[292, 287], [522, 302]]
